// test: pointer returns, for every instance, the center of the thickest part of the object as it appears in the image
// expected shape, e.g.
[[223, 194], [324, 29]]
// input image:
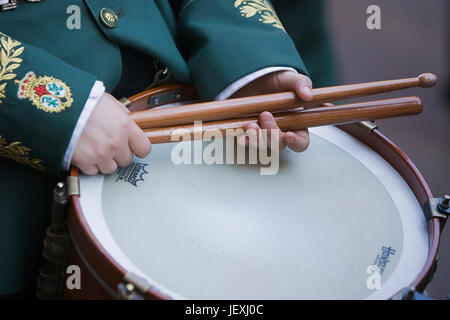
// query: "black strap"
[[138, 72]]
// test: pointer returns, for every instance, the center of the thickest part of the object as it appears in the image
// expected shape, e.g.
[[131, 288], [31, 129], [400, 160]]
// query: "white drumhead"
[[226, 232]]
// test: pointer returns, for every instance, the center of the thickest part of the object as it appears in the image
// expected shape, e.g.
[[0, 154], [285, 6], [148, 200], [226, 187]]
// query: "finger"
[[139, 143], [126, 109], [124, 157], [268, 122], [89, 170], [300, 83], [242, 140], [108, 166], [254, 134], [303, 88], [84, 158], [298, 141]]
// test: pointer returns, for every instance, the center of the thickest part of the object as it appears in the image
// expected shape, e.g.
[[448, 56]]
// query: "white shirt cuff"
[[242, 82], [96, 92]]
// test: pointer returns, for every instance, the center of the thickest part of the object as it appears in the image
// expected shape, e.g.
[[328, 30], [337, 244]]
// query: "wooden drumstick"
[[276, 102], [296, 120]]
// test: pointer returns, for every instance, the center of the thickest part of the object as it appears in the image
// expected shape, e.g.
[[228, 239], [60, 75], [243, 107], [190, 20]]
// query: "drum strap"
[[140, 72]]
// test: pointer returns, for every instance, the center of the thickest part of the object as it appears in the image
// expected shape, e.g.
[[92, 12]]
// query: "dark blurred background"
[[337, 47]]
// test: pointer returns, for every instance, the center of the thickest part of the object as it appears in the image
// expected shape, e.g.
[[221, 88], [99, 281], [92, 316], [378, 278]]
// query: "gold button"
[[109, 18]]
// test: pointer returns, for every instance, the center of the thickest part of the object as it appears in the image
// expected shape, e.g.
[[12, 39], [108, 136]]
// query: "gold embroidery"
[[46, 93], [263, 8], [9, 60], [17, 152]]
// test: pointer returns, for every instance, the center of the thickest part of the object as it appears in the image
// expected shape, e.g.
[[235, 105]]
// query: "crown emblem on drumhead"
[[46, 93]]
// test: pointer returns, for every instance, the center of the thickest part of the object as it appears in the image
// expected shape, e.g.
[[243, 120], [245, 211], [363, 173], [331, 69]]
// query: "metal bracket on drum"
[[368, 126], [133, 287], [165, 98], [72, 186], [410, 294], [437, 208]]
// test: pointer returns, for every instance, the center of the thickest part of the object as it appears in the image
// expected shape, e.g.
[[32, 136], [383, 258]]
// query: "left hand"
[[280, 81]]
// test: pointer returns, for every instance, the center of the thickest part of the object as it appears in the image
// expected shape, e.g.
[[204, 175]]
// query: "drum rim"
[[374, 140], [407, 169]]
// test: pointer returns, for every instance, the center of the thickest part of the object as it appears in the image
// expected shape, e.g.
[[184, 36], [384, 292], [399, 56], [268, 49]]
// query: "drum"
[[343, 220]]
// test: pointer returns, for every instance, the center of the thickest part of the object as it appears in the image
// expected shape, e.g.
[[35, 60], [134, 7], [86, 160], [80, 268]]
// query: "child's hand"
[[109, 139], [279, 82]]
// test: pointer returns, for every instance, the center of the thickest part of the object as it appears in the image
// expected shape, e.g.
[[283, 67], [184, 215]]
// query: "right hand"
[[109, 139]]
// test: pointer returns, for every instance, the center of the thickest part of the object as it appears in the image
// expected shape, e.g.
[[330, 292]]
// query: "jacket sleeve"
[[225, 40], [41, 98]]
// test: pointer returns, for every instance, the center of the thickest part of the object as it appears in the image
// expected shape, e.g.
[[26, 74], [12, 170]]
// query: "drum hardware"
[[164, 95], [57, 243], [165, 98], [437, 208], [160, 99], [433, 208], [368, 126], [162, 76], [125, 102], [133, 287], [444, 204], [410, 294], [72, 186]]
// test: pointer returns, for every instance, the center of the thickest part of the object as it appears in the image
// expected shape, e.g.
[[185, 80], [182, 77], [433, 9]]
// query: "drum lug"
[[368, 126], [165, 98], [410, 294], [72, 186], [133, 287], [437, 208], [125, 102]]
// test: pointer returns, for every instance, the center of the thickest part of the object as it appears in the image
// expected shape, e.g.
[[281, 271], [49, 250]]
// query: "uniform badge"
[[46, 93]]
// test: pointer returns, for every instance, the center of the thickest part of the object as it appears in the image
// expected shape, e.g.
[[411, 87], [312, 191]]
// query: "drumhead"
[[312, 231]]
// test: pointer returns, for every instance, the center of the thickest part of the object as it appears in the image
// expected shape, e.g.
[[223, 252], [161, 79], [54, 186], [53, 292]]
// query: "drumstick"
[[296, 120], [242, 107]]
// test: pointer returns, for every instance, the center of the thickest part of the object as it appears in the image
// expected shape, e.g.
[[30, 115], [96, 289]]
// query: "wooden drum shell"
[[101, 275]]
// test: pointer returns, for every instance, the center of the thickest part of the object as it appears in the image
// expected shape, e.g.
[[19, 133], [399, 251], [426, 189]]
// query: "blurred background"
[[338, 48]]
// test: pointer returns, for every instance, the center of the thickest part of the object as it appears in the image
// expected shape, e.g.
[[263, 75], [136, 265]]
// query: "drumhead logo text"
[[382, 259], [376, 270]]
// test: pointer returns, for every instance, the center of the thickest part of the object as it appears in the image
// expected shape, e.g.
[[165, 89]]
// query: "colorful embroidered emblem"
[[262, 8], [10, 51], [46, 93], [17, 152]]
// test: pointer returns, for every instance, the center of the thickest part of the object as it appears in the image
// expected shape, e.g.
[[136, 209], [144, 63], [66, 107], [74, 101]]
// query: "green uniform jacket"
[[306, 22], [47, 71]]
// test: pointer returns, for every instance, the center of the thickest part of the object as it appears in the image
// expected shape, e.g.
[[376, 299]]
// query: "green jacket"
[[306, 22], [47, 71]]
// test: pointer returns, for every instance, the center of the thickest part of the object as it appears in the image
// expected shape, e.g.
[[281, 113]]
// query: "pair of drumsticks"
[[160, 124]]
